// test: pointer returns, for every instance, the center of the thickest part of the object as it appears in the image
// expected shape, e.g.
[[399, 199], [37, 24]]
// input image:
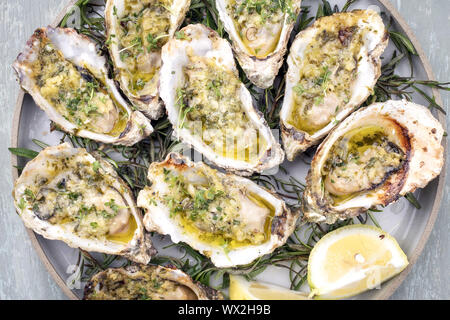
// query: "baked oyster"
[[227, 218], [210, 108], [139, 282], [332, 68], [68, 79], [67, 194], [376, 155], [136, 31], [259, 31]]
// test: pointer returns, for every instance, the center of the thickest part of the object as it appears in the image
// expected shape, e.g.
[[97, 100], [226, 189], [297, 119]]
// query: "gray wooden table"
[[23, 276]]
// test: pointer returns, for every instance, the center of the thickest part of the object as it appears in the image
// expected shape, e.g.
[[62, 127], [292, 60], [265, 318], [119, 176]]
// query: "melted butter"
[[218, 240], [263, 203], [137, 77], [210, 104], [66, 219], [302, 123], [66, 88], [147, 283], [326, 72], [338, 200], [140, 40], [360, 139], [121, 123], [260, 46], [248, 154], [259, 29], [68, 192], [125, 236], [359, 142]]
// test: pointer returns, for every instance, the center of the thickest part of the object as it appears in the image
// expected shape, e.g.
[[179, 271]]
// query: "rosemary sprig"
[[391, 84], [402, 42], [412, 199], [22, 152], [92, 21]]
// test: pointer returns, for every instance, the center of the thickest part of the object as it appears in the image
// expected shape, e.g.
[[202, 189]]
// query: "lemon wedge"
[[351, 260], [241, 289]]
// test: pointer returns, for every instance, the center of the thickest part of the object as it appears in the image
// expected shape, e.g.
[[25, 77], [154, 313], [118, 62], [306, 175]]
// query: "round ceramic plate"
[[410, 226]]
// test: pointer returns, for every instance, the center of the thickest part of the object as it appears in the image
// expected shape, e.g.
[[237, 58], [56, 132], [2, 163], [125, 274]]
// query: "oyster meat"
[[332, 68], [67, 194], [136, 31], [259, 31], [227, 218], [139, 282], [210, 108], [376, 155], [68, 79]]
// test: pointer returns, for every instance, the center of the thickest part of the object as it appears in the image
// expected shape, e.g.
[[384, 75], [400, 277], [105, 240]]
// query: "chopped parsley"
[[215, 85], [183, 107], [73, 195], [96, 165], [112, 204], [264, 8], [180, 35], [21, 204], [298, 89], [30, 194]]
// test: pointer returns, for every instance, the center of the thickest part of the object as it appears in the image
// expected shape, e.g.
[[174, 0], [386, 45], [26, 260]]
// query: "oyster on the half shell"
[[210, 108], [136, 31], [227, 218], [139, 282], [68, 79], [67, 194], [376, 155], [332, 68], [260, 33]]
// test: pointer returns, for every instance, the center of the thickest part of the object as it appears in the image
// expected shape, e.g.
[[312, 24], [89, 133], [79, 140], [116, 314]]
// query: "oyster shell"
[[260, 34], [67, 194], [139, 282], [376, 155], [210, 108], [228, 218], [136, 31], [68, 79], [332, 68]]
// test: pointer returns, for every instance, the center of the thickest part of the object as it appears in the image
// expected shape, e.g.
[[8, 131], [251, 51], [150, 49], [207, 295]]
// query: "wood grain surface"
[[22, 274]]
